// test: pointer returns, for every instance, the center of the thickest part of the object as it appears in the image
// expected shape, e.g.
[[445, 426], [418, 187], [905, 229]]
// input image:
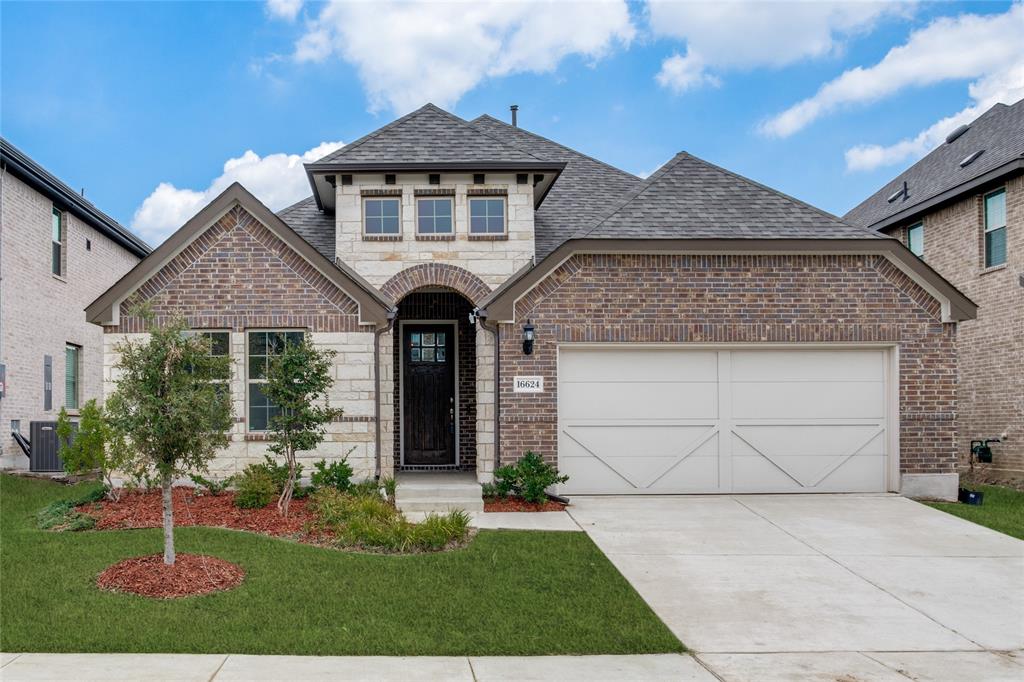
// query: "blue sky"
[[144, 103]]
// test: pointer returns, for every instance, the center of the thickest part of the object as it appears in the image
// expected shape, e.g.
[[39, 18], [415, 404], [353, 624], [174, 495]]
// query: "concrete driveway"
[[831, 587]]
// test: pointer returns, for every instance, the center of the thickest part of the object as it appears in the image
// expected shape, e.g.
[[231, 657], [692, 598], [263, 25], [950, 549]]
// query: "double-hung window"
[[72, 376], [487, 215], [381, 216], [57, 243], [995, 228], [434, 215], [262, 348], [220, 346], [915, 239]]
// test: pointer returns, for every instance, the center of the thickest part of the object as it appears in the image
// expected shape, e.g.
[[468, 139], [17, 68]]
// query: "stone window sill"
[[257, 436], [994, 268], [488, 237], [59, 278], [435, 237], [382, 237]]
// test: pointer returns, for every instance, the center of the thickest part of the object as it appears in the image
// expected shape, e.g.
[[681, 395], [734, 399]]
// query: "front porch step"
[[438, 492]]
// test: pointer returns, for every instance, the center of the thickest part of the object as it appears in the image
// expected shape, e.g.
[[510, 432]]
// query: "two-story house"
[[58, 252], [489, 291], [961, 209]]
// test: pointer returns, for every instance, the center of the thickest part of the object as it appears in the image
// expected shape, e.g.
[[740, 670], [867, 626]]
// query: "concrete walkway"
[[787, 587], [556, 520]]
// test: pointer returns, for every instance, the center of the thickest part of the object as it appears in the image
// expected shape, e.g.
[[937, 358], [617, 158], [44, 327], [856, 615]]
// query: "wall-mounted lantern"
[[528, 336]]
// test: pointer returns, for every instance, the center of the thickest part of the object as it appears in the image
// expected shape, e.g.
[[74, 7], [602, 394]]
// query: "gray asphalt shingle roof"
[[428, 135], [999, 132], [689, 198], [312, 224], [586, 190]]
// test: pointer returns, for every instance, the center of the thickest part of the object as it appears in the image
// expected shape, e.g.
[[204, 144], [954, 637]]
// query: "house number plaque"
[[528, 384]]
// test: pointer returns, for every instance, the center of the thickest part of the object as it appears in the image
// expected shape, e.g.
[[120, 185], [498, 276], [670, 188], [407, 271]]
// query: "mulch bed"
[[145, 510], [191, 574], [515, 504]]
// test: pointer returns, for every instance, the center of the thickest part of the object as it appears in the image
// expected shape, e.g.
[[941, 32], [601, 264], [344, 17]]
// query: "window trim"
[[504, 216], [918, 225], [77, 374], [451, 202], [381, 235], [249, 381], [60, 243], [985, 230]]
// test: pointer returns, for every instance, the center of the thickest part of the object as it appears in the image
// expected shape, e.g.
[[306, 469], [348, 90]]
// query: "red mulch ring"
[[515, 504], [145, 510], [191, 574]]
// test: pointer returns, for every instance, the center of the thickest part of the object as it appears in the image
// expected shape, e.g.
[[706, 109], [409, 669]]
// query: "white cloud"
[[967, 46], [724, 36], [278, 180], [410, 53], [284, 9], [1006, 87]]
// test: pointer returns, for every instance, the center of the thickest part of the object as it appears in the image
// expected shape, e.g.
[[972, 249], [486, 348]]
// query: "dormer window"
[[382, 216], [434, 216], [487, 215]]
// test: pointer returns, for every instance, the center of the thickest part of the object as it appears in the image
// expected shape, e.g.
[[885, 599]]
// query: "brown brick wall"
[[991, 348], [239, 275], [723, 299]]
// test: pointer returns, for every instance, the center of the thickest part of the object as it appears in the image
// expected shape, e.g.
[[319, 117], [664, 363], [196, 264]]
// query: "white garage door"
[[668, 420]]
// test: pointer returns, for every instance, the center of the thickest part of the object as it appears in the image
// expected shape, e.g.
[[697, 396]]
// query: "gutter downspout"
[[376, 386]]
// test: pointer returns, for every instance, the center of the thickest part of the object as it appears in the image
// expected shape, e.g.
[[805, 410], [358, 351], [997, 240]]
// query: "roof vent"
[[971, 158], [901, 192], [957, 133], [515, 110]]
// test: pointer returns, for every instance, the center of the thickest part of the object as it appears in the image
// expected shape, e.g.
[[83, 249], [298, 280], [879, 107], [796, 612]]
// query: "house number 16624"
[[528, 385]]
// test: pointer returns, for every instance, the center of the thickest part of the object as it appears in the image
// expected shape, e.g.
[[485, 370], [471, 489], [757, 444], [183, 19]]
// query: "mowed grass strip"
[[507, 593], [1002, 510]]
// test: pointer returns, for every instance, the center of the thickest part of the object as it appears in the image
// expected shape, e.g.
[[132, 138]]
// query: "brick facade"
[[991, 347], [736, 299], [40, 312], [435, 274]]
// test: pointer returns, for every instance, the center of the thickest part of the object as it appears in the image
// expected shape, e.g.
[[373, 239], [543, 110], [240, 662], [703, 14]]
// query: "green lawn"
[[1003, 510], [508, 593]]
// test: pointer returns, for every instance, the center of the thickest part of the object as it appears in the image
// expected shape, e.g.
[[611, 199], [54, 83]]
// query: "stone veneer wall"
[[40, 312], [378, 259], [238, 276], [991, 347], [731, 299]]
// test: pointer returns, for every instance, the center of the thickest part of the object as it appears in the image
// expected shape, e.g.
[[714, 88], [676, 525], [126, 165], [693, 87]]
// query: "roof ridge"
[[558, 144], [374, 133], [476, 130]]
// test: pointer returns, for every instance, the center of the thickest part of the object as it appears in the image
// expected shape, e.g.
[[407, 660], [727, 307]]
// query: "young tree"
[[170, 407], [92, 447], [297, 382]]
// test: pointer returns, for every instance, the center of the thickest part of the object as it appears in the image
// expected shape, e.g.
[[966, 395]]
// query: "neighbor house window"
[[72, 375], [915, 239], [434, 216], [487, 215], [995, 228], [263, 346], [57, 243], [381, 216]]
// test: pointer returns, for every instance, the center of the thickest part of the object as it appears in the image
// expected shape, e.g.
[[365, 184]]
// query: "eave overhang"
[[499, 306]]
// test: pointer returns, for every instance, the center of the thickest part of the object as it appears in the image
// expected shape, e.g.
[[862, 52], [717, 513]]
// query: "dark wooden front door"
[[428, 386]]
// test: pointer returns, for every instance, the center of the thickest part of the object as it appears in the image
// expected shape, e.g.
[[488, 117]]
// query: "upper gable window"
[[382, 216], [487, 215], [995, 228], [57, 243], [434, 216], [915, 239]]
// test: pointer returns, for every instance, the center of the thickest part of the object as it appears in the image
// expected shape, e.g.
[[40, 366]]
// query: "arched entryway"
[[435, 388]]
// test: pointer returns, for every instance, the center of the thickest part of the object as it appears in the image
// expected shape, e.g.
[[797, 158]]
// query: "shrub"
[[367, 520], [211, 487], [255, 488], [278, 472], [62, 516], [337, 475], [389, 485], [491, 491], [528, 478]]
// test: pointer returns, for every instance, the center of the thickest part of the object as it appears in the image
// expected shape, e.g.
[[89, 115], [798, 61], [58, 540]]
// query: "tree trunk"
[[168, 521], [284, 502]]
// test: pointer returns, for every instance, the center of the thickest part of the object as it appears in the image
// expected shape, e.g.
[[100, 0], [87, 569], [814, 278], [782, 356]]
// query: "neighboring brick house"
[[57, 253], [491, 292], [961, 209]]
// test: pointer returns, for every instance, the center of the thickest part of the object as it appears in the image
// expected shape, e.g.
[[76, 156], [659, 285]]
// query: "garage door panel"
[[758, 475], [810, 439], [808, 400], [804, 365], [636, 400], [652, 475], [625, 364], [613, 439]]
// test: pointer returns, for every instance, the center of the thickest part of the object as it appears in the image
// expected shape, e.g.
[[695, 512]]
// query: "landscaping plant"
[[528, 478], [337, 475], [297, 382], [212, 487], [254, 487], [90, 447], [168, 407]]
